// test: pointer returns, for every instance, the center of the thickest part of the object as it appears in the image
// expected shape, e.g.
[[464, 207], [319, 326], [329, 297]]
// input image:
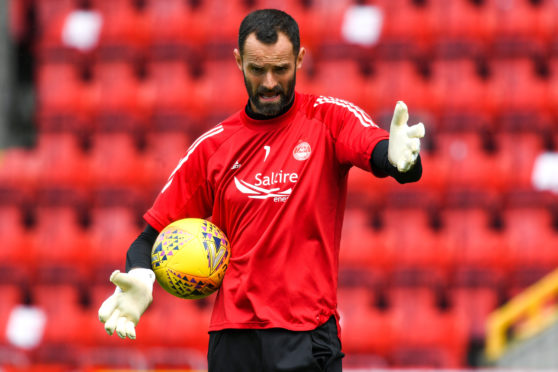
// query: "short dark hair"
[[266, 23]]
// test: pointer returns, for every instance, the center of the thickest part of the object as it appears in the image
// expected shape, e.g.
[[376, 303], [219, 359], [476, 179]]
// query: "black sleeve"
[[139, 253], [381, 167]]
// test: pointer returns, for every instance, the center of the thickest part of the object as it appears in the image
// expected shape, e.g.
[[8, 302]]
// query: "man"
[[273, 176]]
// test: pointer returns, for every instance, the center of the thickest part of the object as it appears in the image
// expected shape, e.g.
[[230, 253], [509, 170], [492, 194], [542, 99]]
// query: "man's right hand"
[[123, 309]]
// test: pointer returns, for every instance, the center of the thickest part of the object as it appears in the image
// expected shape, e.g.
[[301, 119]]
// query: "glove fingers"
[[416, 131], [110, 324], [414, 145], [400, 115], [106, 309]]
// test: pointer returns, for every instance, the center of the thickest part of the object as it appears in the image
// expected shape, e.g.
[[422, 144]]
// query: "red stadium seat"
[[523, 24], [115, 161], [468, 164], [112, 231], [164, 151], [220, 90], [475, 304], [457, 88], [421, 259], [364, 251], [124, 30], [60, 97], [63, 314], [60, 246], [340, 79], [406, 22], [515, 87], [517, 152], [114, 100], [15, 257], [464, 23], [364, 329], [59, 161], [438, 339], [17, 171], [311, 25], [531, 241], [172, 97], [389, 83]]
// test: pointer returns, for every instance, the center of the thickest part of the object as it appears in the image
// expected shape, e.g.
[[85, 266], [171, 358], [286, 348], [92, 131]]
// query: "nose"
[[269, 81]]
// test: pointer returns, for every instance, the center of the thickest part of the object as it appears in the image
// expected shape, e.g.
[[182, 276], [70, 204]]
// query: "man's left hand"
[[404, 141]]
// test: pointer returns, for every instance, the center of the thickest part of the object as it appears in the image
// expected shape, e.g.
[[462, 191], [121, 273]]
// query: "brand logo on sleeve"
[[302, 151]]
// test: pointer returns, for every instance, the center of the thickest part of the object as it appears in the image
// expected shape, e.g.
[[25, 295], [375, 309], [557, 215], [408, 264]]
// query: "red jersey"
[[277, 188]]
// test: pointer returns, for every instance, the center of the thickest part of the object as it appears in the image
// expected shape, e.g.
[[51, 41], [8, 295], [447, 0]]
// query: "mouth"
[[269, 97]]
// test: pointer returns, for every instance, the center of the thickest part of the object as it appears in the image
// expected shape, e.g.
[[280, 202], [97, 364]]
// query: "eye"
[[257, 69], [281, 69]]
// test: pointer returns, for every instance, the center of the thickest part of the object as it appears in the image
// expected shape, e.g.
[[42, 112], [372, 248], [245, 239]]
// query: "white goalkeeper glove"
[[404, 141], [123, 309]]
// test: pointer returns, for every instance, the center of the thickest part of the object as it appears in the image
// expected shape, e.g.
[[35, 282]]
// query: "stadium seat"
[[469, 163], [17, 171], [64, 314], [311, 26], [124, 31], [517, 151], [407, 22], [59, 161], [423, 335], [479, 249], [170, 25], [112, 231], [115, 97], [60, 97], [421, 258], [475, 304], [461, 26], [15, 257], [364, 328], [219, 89], [531, 242], [458, 90], [50, 17], [364, 257], [389, 82], [522, 24], [340, 78], [164, 150], [515, 87], [173, 99], [189, 323], [59, 246], [115, 161]]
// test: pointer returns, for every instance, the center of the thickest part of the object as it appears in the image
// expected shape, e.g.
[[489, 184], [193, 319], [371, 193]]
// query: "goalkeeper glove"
[[404, 141], [123, 309]]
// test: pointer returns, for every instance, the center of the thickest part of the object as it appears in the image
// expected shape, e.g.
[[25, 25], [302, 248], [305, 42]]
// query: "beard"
[[270, 108]]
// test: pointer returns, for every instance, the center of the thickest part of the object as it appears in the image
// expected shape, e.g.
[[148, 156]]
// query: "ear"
[[300, 57], [238, 58]]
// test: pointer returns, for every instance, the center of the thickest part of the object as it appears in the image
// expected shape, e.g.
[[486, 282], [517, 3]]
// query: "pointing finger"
[[416, 131], [400, 115]]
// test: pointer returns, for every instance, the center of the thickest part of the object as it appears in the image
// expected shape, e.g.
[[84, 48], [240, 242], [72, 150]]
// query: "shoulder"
[[219, 133], [325, 108]]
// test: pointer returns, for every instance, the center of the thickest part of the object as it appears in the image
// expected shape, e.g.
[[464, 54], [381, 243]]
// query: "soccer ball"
[[190, 257]]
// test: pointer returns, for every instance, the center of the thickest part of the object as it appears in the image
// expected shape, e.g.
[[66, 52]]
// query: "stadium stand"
[[114, 117]]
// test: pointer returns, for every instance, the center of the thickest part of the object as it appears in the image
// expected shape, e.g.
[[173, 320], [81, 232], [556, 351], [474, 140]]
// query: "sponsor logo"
[[264, 188], [302, 151]]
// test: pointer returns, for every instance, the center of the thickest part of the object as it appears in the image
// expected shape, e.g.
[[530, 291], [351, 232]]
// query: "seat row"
[[174, 323], [451, 160], [410, 21], [445, 92]]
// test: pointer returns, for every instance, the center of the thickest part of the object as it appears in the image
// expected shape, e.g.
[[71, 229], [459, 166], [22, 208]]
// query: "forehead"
[[257, 52]]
